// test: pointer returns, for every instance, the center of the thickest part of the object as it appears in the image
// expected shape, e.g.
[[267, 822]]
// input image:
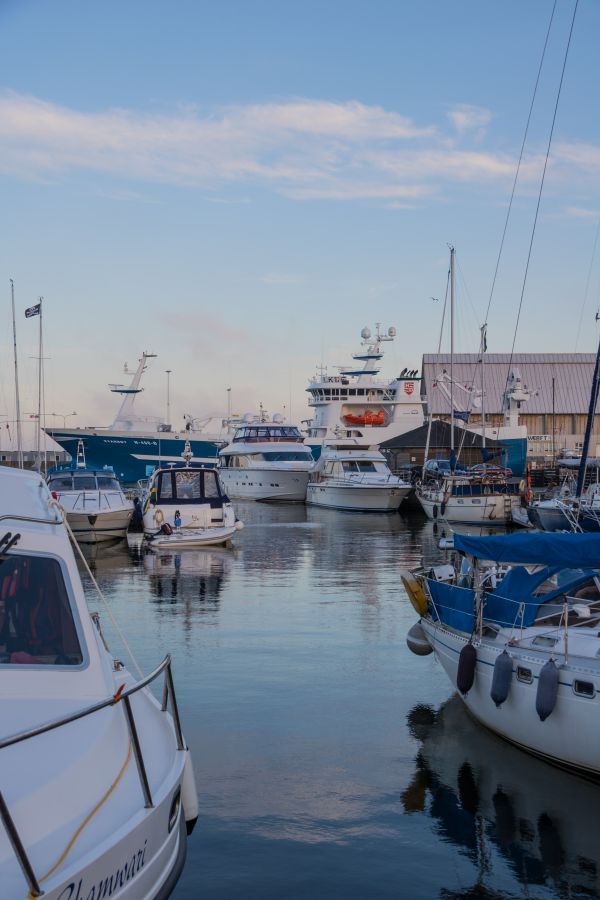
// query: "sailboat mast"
[[39, 416], [483, 350], [17, 394], [589, 425], [451, 352]]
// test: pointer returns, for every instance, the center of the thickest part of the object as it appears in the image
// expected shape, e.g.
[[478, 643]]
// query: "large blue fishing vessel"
[[134, 445]]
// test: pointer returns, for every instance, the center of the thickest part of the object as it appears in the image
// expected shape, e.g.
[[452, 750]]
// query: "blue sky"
[[239, 187]]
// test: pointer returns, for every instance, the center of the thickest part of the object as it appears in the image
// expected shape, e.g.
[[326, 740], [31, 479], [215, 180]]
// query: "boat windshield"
[[61, 483], [359, 465], [84, 483], [36, 619], [108, 483]]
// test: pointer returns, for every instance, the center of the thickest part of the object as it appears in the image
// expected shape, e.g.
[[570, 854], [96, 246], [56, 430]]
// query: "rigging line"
[[439, 349], [539, 200], [587, 284], [514, 186]]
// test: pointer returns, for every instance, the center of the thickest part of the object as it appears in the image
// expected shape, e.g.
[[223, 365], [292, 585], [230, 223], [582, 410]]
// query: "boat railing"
[[122, 696]]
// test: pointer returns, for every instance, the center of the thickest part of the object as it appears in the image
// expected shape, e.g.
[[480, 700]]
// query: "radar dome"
[[392, 331], [248, 417], [365, 333], [278, 419]]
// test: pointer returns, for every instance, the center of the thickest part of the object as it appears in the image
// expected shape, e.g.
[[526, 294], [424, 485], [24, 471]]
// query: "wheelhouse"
[[253, 434], [187, 485]]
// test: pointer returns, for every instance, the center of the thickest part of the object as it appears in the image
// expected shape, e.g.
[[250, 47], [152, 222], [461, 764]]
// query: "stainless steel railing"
[[121, 696]]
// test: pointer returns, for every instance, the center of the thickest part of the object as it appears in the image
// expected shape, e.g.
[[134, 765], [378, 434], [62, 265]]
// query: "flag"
[[484, 338], [33, 311], [462, 416]]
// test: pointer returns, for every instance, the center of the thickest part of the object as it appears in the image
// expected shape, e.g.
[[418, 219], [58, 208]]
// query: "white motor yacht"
[[350, 477], [185, 507], [96, 508], [266, 460], [97, 786]]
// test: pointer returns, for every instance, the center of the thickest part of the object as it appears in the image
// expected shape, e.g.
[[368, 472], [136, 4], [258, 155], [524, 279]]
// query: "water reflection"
[[501, 807], [188, 574]]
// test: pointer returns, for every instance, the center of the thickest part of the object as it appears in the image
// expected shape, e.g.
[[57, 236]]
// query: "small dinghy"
[[192, 540]]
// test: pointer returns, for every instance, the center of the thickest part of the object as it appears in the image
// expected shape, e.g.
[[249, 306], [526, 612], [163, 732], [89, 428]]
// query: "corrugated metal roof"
[[572, 374]]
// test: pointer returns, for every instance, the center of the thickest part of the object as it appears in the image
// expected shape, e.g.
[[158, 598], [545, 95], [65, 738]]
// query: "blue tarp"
[[542, 548]]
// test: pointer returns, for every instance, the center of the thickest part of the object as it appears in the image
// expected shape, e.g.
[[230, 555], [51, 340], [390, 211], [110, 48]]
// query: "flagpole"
[[39, 432], [17, 396]]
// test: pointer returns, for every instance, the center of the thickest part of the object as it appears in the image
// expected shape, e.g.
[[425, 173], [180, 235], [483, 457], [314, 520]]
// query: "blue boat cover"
[[542, 548]]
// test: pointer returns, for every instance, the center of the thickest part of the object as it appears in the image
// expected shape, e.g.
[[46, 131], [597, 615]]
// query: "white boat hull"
[[361, 498], [487, 510], [187, 539], [94, 528], [264, 484], [516, 720]]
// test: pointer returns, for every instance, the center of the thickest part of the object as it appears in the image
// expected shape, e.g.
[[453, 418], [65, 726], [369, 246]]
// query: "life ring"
[[159, 517], [416, 594]]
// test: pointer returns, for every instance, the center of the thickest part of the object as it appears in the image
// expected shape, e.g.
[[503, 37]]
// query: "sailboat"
[[488, 494], [580, 512]]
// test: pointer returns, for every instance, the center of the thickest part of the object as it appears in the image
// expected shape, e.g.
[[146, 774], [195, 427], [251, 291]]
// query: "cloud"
[[579, 212], [465, 117], [302, 149]]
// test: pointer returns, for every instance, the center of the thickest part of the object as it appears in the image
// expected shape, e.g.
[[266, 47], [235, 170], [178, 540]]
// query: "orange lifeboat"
[[366, 418]]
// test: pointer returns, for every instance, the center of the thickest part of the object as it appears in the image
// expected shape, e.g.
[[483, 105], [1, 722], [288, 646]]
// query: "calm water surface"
[[331, 762]]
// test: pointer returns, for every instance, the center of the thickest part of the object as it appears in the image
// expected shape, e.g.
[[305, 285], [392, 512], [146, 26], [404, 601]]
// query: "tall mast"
[[451, 352], [17, 395], [589, 425], [483, 350], [39, 416]]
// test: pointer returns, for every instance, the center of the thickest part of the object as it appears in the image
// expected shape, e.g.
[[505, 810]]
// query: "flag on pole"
[[33, 311]]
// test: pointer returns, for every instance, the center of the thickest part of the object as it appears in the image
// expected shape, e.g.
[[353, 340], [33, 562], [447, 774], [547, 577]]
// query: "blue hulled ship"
[[134, 445]]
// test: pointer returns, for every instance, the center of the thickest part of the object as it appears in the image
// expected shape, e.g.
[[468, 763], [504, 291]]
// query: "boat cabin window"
[[188, 485], [359, 465], [108, 483], [287, 456], [84, 483], [36, 619], [61, 483], [211, 484]]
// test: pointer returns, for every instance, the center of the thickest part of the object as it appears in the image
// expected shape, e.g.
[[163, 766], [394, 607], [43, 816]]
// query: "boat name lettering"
[[147, 443], [113, 441], [106, 887]]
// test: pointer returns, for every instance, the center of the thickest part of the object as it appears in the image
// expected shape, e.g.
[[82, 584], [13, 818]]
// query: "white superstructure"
[[266, 460], [97, 783], [356, 404], [351, 477]]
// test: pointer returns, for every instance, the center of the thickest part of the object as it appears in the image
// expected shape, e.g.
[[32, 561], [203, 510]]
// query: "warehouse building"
[[559, 385]]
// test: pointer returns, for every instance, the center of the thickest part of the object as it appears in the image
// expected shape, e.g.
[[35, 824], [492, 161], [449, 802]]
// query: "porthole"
[[524, 675], [584, 688]]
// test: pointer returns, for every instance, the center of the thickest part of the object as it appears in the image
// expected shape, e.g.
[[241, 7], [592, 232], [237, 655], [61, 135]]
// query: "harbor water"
[[331, 762]]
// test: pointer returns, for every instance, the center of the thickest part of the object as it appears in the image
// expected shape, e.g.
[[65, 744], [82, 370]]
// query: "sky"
[[240, 187]]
